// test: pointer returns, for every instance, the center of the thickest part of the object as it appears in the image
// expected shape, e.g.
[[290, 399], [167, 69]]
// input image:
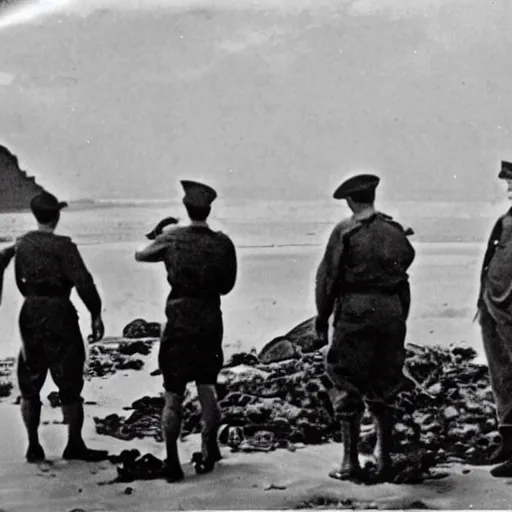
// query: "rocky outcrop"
[[302, 339], [16, 187], [279, 399]]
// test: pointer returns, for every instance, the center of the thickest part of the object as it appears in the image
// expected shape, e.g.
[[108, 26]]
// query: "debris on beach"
[[140, 328], [7, 366], [104, 362], [131, 466], [54, 399], [448, 415]]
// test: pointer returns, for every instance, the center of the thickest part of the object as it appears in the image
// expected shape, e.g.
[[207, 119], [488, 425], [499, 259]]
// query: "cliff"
[[16, 187]]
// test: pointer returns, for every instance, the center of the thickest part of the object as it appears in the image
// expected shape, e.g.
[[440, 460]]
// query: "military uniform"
[[201, 266], [363, 280], [495, 314], [47, 267]]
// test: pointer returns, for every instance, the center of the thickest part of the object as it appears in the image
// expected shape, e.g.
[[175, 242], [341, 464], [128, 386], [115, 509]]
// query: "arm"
[[230, 268], [328, 274], [153, 252], [75, 270], [489, 253], [6, 256]]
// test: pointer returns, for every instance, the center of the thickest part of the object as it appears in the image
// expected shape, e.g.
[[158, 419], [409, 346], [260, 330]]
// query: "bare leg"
[[76, 448], [211, 421], [31, 414], [171, 425]]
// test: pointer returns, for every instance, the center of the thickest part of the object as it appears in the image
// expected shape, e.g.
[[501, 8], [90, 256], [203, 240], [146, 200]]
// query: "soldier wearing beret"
[[362, 280], [201, 267], [47, 267], [495, 314]]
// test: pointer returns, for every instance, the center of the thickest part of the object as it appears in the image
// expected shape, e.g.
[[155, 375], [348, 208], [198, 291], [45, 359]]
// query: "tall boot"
[[171, 426], [76, 448], [31, 414], [350, 467], [384, 427], [205, 462]]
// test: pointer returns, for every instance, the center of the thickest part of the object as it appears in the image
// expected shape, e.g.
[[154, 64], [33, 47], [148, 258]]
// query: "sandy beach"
[[273, 294], [272, 102], [275, 480]]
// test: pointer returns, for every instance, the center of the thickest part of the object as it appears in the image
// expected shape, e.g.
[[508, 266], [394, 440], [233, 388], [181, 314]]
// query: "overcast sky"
[[278, 98]]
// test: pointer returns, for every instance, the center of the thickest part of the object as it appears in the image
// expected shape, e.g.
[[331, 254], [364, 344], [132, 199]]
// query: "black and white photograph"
[[255, 255]]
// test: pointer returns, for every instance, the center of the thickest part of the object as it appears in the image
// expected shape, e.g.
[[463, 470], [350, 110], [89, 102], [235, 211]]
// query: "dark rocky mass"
[[16, 187], [105, 360], [447, 415], [139, 328]]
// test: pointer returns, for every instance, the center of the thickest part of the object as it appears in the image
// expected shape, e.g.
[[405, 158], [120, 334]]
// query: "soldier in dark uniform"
[[495, 314], [47, 267], [363, 280], [201, 266]]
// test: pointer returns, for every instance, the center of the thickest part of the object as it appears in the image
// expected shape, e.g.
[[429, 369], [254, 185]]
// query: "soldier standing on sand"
[[363, 279], [47, 267], [201, 266], [495, 313]]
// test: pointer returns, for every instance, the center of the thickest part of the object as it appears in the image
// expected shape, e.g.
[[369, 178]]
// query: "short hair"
[[47, 216], [364, 196], [198, 213]]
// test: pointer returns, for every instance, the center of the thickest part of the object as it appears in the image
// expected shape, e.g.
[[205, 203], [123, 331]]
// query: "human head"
[[506, 175], [198, 199], [46, 209], [358, 191]]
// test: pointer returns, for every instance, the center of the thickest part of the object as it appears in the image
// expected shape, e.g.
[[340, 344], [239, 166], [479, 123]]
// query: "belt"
[[381, 290], [45, 291]]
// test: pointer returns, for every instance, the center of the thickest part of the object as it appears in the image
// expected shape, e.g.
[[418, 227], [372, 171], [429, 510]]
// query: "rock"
[[5, 389], [139, 328], [245, 358], [304, 336], [450, 412], [279, 349], [54, 399], [134, 347]]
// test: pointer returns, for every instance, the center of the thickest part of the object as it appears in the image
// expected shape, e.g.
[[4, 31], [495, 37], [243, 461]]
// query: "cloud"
[[6, 78]]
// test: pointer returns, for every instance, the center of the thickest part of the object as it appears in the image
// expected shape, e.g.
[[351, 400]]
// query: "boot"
[[503, 452], [503, 455], [384, 426], [31, 414], [76, 448], [350, 468]]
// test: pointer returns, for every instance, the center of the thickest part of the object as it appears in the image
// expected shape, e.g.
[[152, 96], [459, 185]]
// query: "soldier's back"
[[378, 253], [200, 260]]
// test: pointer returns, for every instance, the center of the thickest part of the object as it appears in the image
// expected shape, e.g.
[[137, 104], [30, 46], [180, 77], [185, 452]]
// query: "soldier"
[[495, 315], [363, 280], [201, 266], [47, 267]]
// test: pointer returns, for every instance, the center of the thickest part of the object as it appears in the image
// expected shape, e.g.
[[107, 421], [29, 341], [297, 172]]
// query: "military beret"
[[506, 171], [359, 183], [46, 202], [198, 194], [160, 226]]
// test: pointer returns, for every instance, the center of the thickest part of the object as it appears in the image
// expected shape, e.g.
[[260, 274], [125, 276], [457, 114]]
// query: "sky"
[[280, 99]]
